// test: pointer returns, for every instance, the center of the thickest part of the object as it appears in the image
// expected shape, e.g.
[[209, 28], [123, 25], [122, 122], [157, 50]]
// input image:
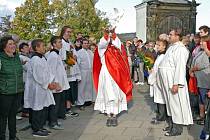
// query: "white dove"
[[116, 17]]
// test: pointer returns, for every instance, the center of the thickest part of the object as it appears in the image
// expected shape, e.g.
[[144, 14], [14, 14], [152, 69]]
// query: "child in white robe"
[[155, 89], [24, 58], [58, 70], [38, 85]]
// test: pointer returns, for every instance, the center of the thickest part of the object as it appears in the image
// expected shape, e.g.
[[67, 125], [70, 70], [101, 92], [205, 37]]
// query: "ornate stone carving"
[[162, 16]]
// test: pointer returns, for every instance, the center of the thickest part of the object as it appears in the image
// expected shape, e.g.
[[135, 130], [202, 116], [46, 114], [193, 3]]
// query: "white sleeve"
[[25, 66], [24, 59], [117, 43], [103, 43], [52, 61]]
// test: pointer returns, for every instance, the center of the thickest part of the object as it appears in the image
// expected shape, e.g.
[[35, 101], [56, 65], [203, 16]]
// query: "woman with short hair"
[[11, 86]]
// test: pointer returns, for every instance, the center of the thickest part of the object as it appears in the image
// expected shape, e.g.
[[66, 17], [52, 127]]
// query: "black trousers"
[[73, 91], [9, 105], [24, 110], [30, 116], [132, 72], [62, 105], [53, 110], [161, 112], [38, 119]]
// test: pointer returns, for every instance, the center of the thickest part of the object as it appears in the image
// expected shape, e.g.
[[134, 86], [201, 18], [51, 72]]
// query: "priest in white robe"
[[111, 77], [86, 91], [172, 74]]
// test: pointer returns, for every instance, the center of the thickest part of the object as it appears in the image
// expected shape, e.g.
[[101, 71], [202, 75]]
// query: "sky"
[[127, 23]]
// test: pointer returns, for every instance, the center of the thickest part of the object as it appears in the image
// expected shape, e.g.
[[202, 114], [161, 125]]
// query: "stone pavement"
[[134, 125]]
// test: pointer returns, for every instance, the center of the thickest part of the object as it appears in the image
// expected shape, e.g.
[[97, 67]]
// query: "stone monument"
[[154, 17]]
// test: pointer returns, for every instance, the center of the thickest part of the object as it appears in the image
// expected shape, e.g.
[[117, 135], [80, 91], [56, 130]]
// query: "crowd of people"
[[179, 78], [48, 82]]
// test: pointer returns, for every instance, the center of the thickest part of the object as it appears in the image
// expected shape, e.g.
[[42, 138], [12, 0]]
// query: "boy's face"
[[41, 48], [58, 44], [160, 46], [25, 49], [78, 44]]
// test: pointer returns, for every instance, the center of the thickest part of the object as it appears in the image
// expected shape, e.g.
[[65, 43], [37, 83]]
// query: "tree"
[[31, 20], [81, 15], [90, 20], [5, 25], [42, 18], [62, 13]]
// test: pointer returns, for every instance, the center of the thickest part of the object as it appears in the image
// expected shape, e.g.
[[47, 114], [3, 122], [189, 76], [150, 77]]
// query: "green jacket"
[[11, 74]]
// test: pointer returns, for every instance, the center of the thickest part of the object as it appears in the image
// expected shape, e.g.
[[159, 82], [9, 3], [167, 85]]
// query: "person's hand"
[[58, 87], [24, 62], [52, 86], [192, 74], [112, 30], [106, 30], [175, 89], [195, 68]]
